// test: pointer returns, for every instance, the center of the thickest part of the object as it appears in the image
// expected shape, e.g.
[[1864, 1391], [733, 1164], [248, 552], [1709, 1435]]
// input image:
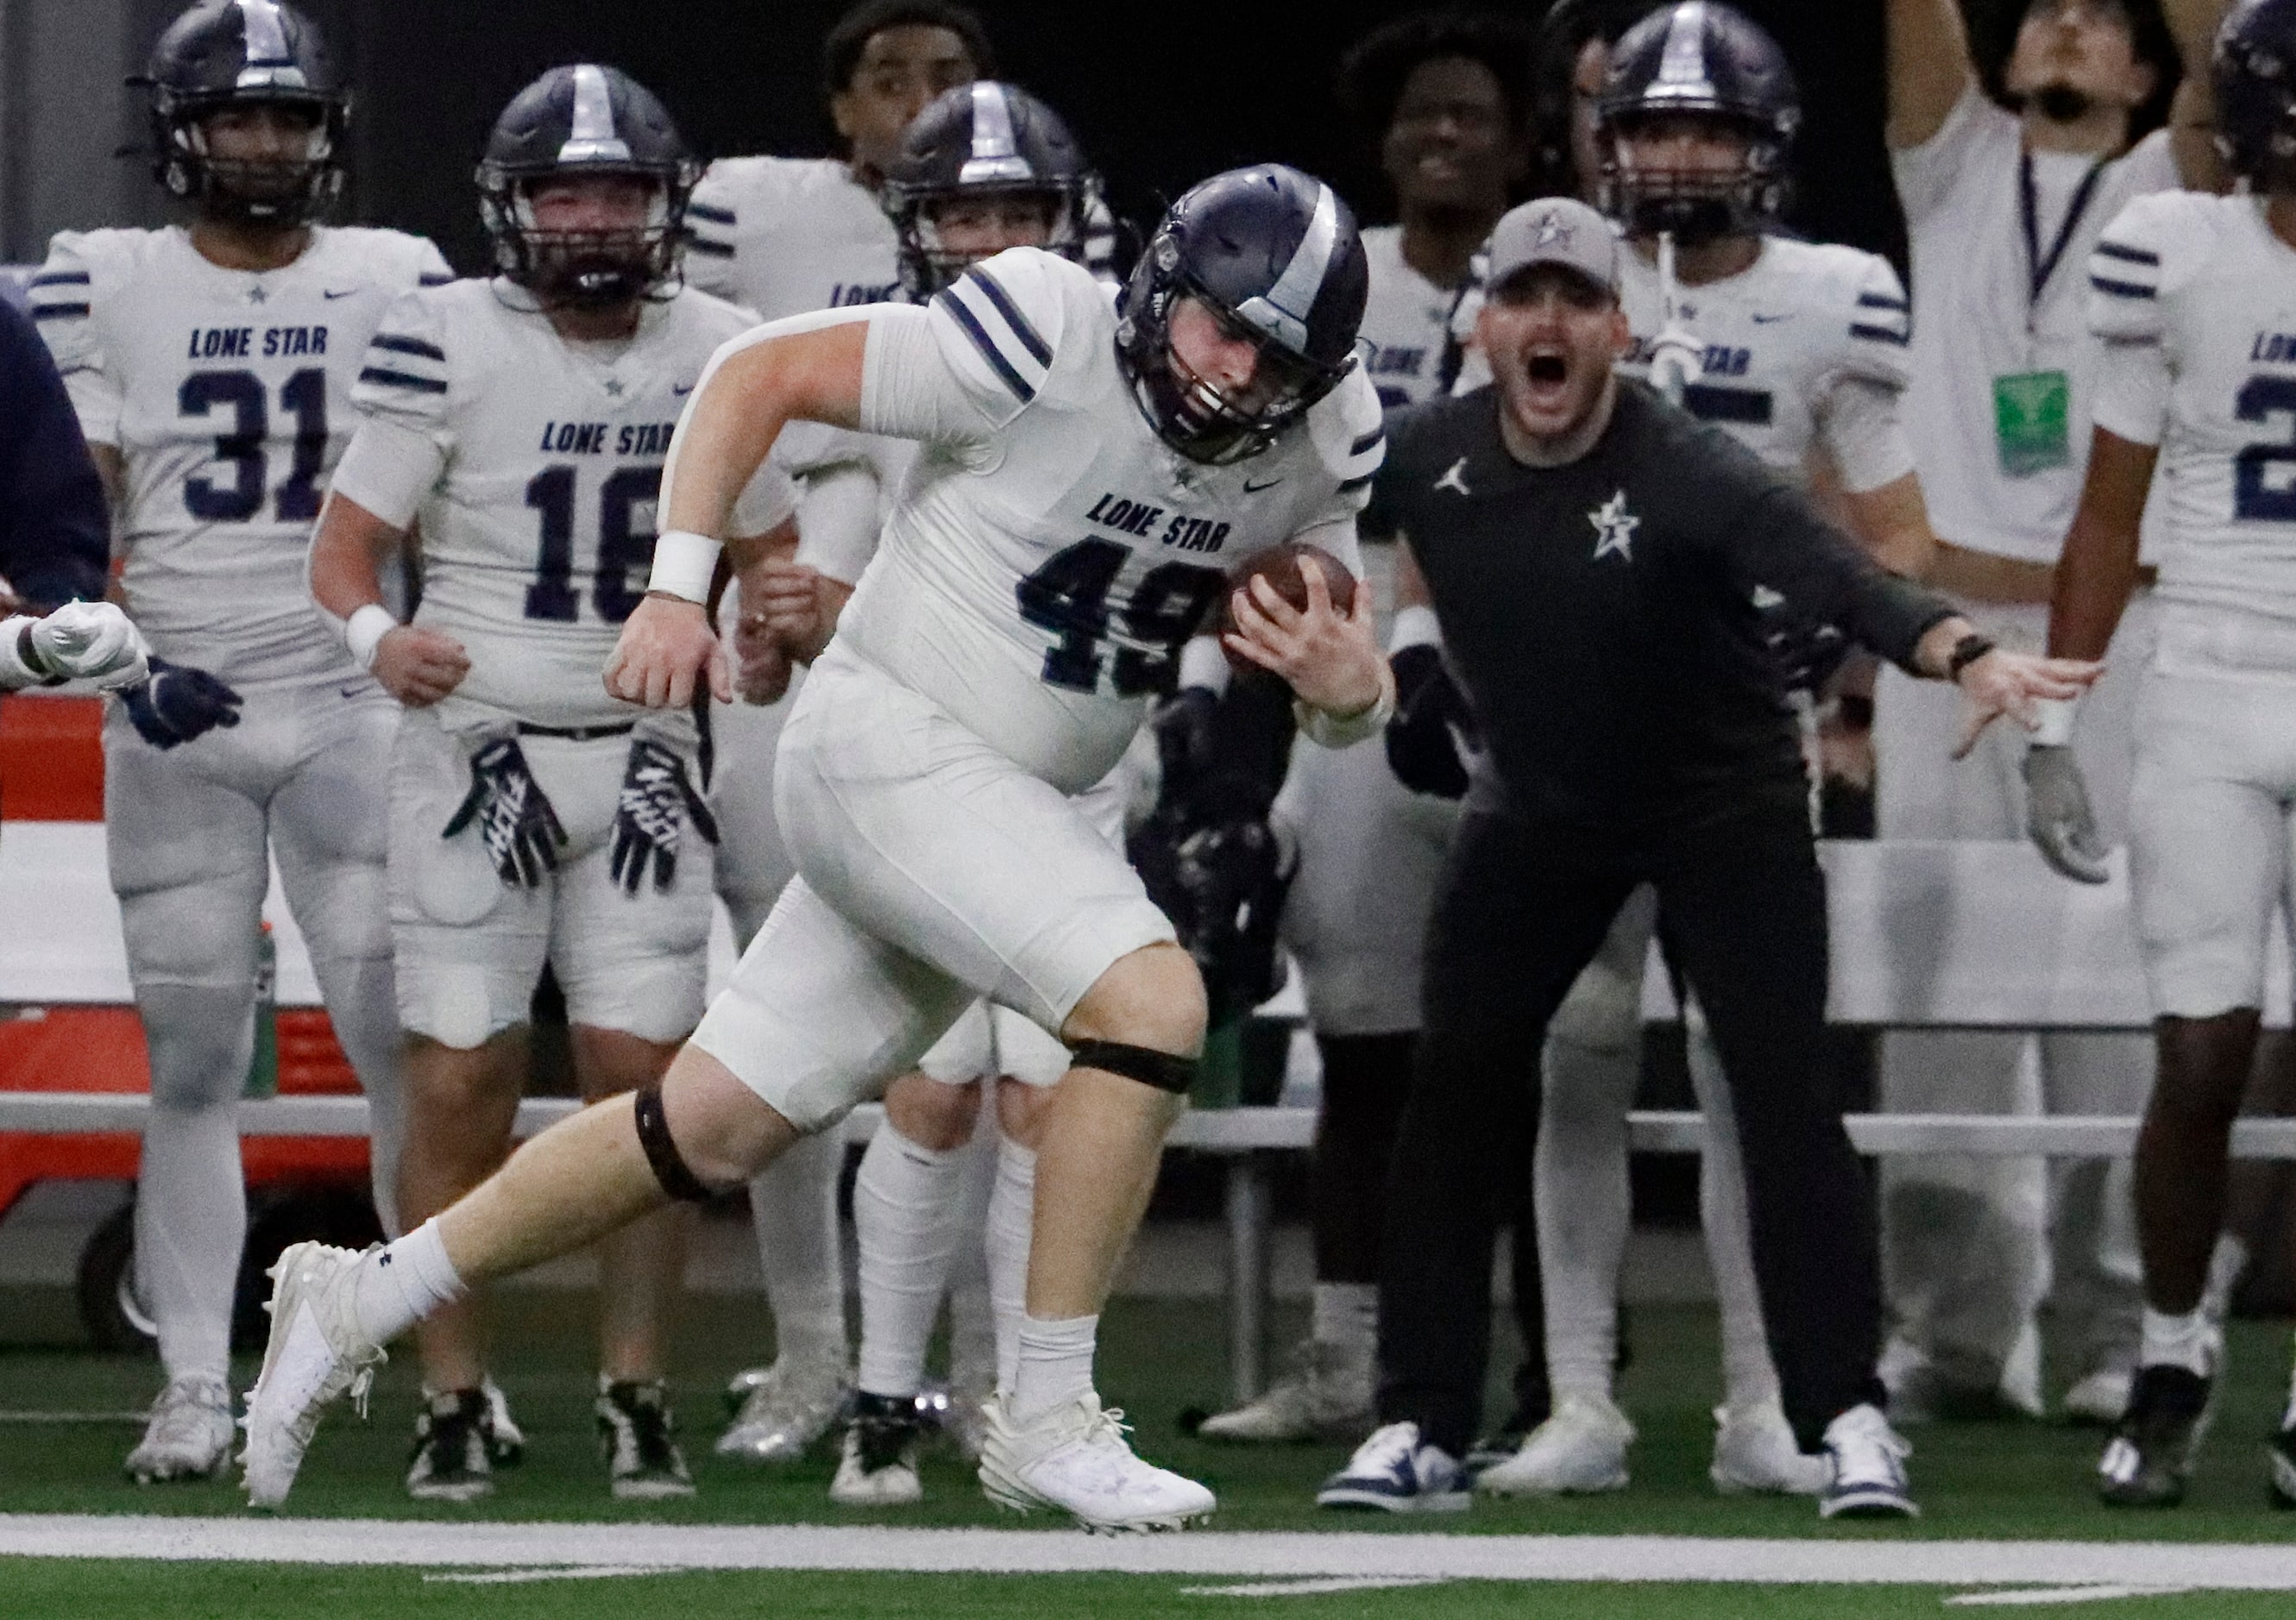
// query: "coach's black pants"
[[1524, 905]]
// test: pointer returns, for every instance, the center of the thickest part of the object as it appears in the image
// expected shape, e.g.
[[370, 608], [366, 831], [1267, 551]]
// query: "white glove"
[[91, 641]]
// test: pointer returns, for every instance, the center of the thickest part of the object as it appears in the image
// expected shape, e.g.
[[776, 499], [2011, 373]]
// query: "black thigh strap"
[[670, 1167], [1161, 1069]]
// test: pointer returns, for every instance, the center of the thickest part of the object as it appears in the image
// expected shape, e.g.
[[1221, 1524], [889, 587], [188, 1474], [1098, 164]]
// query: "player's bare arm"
[[2099, 571], [749, 396], [2191, 115], [416, 666], [1893, 523], [1930, 68]]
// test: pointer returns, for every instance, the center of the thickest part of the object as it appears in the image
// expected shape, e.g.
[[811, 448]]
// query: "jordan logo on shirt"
[[1456, 479], [1614, 527]]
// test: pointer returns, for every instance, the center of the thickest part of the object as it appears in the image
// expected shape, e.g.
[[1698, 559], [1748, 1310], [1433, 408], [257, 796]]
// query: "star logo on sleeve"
[[1614, 529]]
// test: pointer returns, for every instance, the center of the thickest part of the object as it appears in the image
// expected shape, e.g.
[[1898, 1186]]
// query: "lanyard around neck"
[[2040, 267]]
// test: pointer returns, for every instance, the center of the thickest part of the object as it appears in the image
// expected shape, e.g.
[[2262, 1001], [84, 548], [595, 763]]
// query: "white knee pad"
[[201, 1039]]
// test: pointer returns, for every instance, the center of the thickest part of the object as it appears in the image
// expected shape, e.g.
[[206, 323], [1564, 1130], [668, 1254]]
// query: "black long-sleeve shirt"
[[55, 530], [1607, 617]]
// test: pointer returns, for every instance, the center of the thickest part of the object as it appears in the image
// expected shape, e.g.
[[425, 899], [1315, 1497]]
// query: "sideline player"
[[1443, 99], [2001, 210], [2191, 294], [785, 236], [519, 423], [1084, 470], [212, 367]]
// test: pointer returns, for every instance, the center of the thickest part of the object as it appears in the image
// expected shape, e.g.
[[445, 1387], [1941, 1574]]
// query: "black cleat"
[[2282, 1452], [2150, 1456], [451, 1460]]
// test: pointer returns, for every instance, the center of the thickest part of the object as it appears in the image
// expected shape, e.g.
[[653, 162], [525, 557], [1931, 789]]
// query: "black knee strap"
[[1161, 1069], [669, 1165]]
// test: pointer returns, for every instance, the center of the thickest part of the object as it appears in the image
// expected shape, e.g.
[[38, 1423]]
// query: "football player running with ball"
[[211, 368], [1088, 475], [2190, 293], [520, 424]]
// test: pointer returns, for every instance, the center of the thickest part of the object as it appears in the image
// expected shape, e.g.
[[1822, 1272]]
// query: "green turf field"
[[1989, 1481]]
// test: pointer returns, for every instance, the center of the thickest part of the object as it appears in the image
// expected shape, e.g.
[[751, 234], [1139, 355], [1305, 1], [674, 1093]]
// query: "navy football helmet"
[[2255, 72], [585, 119], [1274, 254], [1704, 58], [984, 139], [228, 54]]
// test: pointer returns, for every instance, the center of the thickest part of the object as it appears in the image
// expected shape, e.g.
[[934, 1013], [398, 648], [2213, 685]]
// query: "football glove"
[[1223, 886], [656, 801], [2058, 817], [178, 703], [1428, 738], [1184, 726], [520, 829], [91, 641]]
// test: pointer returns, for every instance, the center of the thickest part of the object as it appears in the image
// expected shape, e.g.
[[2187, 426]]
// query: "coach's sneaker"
[[1581, 1448], [636, 1436], [1075, 1458], [785, 1409], [189, 1435], [316, 1355], [1756, 1454], [2283, 1454], [1865, 1468], [879, 1466], [1326, 1396], [450, 1461], [1396, 1472], [2150, 1456]]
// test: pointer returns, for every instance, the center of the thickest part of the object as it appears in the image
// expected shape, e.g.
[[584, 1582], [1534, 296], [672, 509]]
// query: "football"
[[1279, 566]]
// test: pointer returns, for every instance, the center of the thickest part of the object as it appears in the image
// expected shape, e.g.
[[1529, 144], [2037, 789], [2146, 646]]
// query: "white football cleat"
[[1756, 1454], [1326, 1396], [1075, 1458], [1581, 1449], [316, 1354], [189, 1435], [785, 1409]]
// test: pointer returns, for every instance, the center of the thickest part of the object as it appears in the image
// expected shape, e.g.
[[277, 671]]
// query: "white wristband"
[[683, 564], [364, 631], [2055, 715], [1415, 626], [1203, 664]]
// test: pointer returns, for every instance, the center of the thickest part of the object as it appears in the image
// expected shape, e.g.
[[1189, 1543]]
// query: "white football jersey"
[[1050, 554], [2195, 299], [532, 466], [1805, 350], [1404, 324], [228, 394], [786, 235]]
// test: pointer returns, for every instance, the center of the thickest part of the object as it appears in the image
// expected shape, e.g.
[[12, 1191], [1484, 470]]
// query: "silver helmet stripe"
[[593, 139], [995, 152], [1281, 312], [1682, 67], [269, 64]]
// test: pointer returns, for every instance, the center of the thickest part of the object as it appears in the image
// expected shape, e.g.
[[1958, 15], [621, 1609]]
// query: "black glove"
[[179, 703], [1807, 652], [1184, 725], [519, 828], [656, 798], [1431, 722], [1223, 886]]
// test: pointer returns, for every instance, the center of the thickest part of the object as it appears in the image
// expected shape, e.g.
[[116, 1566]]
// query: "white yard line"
[[2039, 1596], [556, 1572], [1269, 1555], [1303, 1589]]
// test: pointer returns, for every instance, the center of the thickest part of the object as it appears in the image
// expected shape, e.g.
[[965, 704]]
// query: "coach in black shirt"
[[1608, 574]]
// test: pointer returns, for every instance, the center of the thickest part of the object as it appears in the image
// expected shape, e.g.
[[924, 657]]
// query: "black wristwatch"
[[1966, 651]]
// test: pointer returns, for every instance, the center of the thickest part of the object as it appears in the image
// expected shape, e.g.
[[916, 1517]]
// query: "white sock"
[[903, 1208], [801, 1251], [1749, 1380], [1346, 1315], [1055, 1365], [400, 1284], [1011, 1219], [2187, 1341], [1584, 1207], [971, 1317]]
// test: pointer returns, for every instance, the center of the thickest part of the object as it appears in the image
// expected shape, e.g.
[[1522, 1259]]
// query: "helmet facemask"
[[932, 257], [1694, 203], [1197, 416], [271, 191], [590, 269]]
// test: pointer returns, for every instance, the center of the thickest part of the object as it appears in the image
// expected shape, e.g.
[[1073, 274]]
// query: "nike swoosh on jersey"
[[682, 391], [1251, 488], [329, 294], [1768, 320]]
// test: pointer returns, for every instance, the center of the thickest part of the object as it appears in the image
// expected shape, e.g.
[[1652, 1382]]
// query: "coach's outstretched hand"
[[667, 648], [1331, 659], [2005, 683]]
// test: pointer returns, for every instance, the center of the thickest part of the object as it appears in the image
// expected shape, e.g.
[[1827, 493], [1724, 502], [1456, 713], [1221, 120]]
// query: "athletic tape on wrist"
[[670, 1167], [2055, 716], [1203, 664], [364, 632], [1164, 1070], [683, 563]]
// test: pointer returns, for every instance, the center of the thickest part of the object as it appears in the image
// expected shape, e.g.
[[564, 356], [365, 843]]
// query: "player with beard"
[[2004, 205], [519, 424], [1441, 96], [211, 366]]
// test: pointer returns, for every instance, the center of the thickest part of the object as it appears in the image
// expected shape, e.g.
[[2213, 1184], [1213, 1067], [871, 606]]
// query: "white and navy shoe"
[[1868, 1463], [1396, 1472]]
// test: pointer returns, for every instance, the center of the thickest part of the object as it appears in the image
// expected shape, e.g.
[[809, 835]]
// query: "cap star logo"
[[1614, 529], [1552, 232]]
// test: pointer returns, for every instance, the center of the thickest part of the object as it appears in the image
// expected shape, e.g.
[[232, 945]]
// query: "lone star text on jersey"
[[1614, 527]]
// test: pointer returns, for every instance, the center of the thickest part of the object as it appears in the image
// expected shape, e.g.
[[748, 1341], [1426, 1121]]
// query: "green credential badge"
[[2031, 413]]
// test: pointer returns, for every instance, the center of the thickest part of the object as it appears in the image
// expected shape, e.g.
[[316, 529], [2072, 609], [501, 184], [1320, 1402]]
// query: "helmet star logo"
[[1614, 527]]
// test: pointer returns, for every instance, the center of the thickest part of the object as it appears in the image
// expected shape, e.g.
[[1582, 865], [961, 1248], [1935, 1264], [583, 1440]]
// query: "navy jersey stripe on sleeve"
[[402, 379], [2133, 256], [1018, 323], [397, 345], [57, 312], [714, 249], [1366, 442], [2123, 290], [714, 215], [981, 341], [1351, 485], [432, 278], [1881, 334], [62, 278]]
